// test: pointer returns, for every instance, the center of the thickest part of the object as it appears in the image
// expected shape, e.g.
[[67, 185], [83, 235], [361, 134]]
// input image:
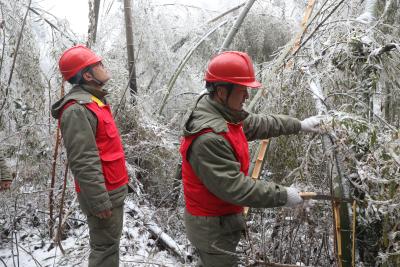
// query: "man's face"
[[99, 73], [236, 99]]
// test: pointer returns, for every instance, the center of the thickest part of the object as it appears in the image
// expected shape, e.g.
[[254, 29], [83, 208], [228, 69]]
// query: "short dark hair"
[[78, 78], [212, 87]]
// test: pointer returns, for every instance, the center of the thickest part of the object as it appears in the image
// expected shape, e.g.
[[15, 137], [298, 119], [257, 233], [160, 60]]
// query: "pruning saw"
[[321, 196]]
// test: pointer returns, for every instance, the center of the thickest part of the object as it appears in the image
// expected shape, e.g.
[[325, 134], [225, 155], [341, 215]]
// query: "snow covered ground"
[[137, 247]]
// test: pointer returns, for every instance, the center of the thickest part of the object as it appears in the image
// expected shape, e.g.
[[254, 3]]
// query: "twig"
[[2, 261], [60, 219], [30, 254], [15, 55], [14, 233], [53, 173], [145, 262], [4, 41], [65, 217], [52, 25], [386, 48], [318, 26]]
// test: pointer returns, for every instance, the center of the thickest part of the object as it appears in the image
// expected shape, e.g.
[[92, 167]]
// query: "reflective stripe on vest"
[[199, 200], [109, 145]]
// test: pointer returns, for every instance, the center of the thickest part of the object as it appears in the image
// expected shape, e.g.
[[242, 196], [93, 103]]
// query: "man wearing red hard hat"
[[215, 159], [94, 150]]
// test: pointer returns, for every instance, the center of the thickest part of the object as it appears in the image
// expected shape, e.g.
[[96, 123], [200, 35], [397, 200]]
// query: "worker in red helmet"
[[94, 150], [215, 159]]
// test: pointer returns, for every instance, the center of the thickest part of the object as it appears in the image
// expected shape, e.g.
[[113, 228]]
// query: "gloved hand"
[[311, 124], [293, 197]]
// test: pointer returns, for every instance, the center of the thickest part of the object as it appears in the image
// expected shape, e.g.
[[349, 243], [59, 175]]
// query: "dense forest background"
[[342, 61]]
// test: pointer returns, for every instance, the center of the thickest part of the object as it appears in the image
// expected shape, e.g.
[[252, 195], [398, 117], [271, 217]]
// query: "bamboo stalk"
[[185, 59], [280, 60], [235, 28], [130, 49], [225, 45], [336, 212], [263, 147], [94, 7], [353, 254], [338, 182], [4, 42], [225, 13], [255, 174]]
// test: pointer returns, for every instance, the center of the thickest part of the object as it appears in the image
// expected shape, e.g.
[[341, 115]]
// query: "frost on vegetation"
[[353, 70]]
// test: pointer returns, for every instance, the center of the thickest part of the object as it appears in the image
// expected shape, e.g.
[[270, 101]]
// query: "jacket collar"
[[100, 94], [208, 113]]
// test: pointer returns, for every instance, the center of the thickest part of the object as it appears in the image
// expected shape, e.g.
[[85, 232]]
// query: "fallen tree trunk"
[[163, 238]]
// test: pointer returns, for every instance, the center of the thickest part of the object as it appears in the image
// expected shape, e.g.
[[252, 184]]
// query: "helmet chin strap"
[[99, 83]]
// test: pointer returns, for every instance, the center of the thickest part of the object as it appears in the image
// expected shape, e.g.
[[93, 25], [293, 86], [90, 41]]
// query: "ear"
[[87, 76], [220, 91]]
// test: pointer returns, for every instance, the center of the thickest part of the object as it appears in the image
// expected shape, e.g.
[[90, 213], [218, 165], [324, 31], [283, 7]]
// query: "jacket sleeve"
[[5, 174], [211, 158], [261, 126], [78, 127]]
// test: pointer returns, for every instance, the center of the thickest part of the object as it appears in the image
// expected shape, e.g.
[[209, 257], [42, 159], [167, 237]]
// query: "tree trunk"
[[131, 49], [94, 7]]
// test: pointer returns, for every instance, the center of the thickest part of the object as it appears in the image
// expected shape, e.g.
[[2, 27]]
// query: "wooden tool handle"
[[307, 195]]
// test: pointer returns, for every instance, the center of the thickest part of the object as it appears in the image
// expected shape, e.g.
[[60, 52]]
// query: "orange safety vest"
[[199, 200]]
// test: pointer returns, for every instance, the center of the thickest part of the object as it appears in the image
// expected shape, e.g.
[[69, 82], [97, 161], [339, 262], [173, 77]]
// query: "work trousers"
[[105, 235], [215, 238]]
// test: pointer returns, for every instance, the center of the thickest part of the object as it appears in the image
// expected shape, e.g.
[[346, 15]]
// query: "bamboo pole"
[[185, 59], [130, 49], [339, 188], [2, 27], [236, 26], [225, 45], [338, 232], [225, 13], [280, 60], [353, 251], [263, 147], [259, 162]]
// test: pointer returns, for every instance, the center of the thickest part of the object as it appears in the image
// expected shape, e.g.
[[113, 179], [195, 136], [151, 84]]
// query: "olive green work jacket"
[[213, 160], [78, 127]]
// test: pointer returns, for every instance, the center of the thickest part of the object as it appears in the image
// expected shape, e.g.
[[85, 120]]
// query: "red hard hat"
[[232, 67], [75, 59]]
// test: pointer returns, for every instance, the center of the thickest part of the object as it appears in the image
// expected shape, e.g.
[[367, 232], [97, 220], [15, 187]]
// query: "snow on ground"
[[137, 247]]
